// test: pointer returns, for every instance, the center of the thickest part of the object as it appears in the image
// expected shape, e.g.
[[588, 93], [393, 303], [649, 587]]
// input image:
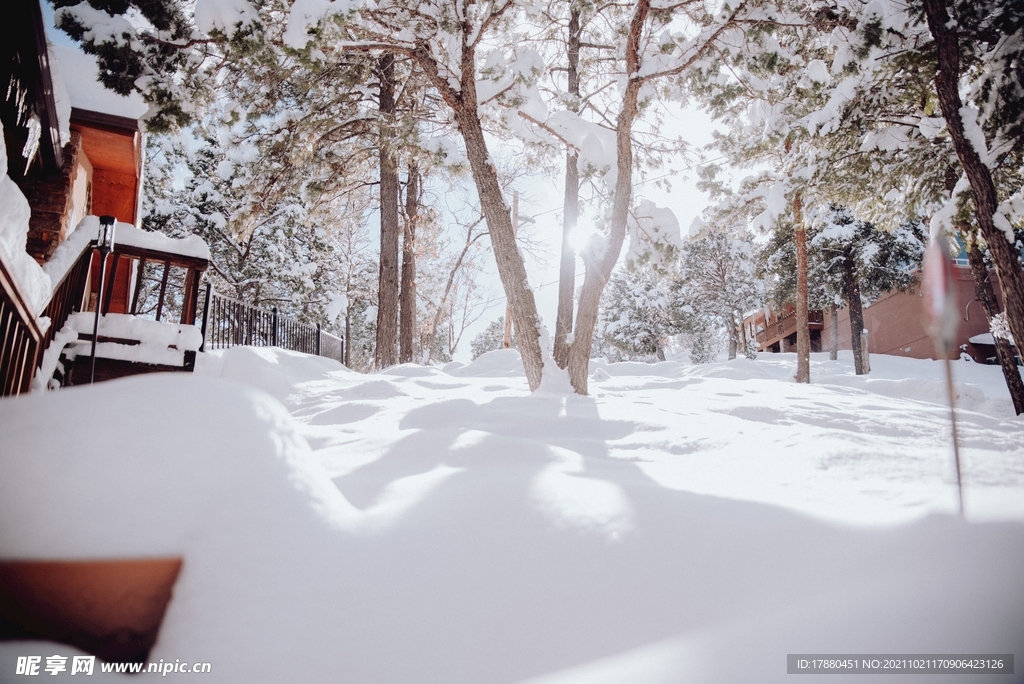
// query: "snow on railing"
[[228, 322]]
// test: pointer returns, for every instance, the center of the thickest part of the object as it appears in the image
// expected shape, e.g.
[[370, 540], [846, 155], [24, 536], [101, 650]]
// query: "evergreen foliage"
[[717, 286], [636, 314], [881, 260], [490, 338]]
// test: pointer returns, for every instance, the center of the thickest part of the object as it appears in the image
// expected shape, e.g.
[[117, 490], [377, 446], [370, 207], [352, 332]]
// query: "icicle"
[[35, 132]]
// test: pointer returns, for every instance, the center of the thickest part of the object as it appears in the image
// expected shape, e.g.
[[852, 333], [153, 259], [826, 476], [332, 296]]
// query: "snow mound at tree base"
[[424, 528]]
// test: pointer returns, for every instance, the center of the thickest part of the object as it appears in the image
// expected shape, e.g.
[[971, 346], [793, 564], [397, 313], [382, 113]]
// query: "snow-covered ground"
[[684, 523]]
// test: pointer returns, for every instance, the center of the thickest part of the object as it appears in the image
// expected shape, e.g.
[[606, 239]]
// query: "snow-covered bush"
[[636, 313]]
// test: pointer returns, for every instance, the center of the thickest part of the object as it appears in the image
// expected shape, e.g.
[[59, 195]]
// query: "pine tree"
[[717, 283], [870, 261], [490, 338], [636, 313]]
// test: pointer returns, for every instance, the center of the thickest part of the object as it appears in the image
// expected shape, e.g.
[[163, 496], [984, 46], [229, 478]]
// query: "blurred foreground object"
[[942, 319]]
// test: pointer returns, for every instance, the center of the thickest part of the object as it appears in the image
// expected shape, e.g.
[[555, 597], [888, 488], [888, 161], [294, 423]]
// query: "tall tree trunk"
[[506, 339], [745, 339], [852, 289], [571, 206], [833, 333], [987, 296], [348, 336], [599, 266], [983, 190], [511, 268], [733, 336], [803, 331], [386, 352], [407, 298]]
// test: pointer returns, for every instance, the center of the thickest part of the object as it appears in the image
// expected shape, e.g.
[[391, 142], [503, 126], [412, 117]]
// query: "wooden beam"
[[155, 255]]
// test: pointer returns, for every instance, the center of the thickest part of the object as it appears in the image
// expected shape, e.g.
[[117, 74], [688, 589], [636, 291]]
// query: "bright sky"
[[542, 198]]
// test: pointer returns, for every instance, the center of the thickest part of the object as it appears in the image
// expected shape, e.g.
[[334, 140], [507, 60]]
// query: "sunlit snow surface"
[[683, 523], [869, 450]]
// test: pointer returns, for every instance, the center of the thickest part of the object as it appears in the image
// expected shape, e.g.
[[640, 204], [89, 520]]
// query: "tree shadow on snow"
[[534, 550]]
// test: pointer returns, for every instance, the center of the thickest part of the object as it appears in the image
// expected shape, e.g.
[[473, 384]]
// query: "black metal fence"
[[228, 322]]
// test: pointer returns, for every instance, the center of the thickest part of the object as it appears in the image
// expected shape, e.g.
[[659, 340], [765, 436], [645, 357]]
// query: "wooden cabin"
[[88, 162]]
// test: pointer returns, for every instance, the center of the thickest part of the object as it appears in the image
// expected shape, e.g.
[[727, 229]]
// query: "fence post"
[[273, 321], [206, 312], [318, 339]]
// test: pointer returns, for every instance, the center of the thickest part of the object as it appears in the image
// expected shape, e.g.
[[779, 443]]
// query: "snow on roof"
[[80, 75], [61, 98], [986, 338]]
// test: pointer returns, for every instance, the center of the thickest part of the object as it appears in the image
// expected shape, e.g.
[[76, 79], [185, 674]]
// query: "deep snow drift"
[[440, 525]]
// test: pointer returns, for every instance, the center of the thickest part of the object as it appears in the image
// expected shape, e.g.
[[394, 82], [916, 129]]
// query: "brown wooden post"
[[189, 296]]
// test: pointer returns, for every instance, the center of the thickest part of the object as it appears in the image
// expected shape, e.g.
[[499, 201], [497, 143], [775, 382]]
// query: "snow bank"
[[195, 458], [501, 363], [275, 371], [436, 526]]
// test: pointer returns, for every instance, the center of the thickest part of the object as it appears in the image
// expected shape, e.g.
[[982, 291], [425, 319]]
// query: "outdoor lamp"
[[104, 245], [105, 239]]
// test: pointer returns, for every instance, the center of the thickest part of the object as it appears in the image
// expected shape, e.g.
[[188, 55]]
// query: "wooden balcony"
[[773, 329]]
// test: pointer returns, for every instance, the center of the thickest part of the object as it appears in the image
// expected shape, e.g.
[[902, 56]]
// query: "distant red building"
[[895, 324]]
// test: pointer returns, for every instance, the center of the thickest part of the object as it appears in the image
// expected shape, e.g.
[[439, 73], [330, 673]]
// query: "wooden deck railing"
[[786, 326], [20, 336], [228, 322], [68, 296]]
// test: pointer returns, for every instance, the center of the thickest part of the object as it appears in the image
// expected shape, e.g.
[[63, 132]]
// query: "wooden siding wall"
[[896, 325], [114, 194]]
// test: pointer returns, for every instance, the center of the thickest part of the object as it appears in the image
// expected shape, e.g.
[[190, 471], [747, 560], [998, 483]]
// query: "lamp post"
[[104, 245]]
